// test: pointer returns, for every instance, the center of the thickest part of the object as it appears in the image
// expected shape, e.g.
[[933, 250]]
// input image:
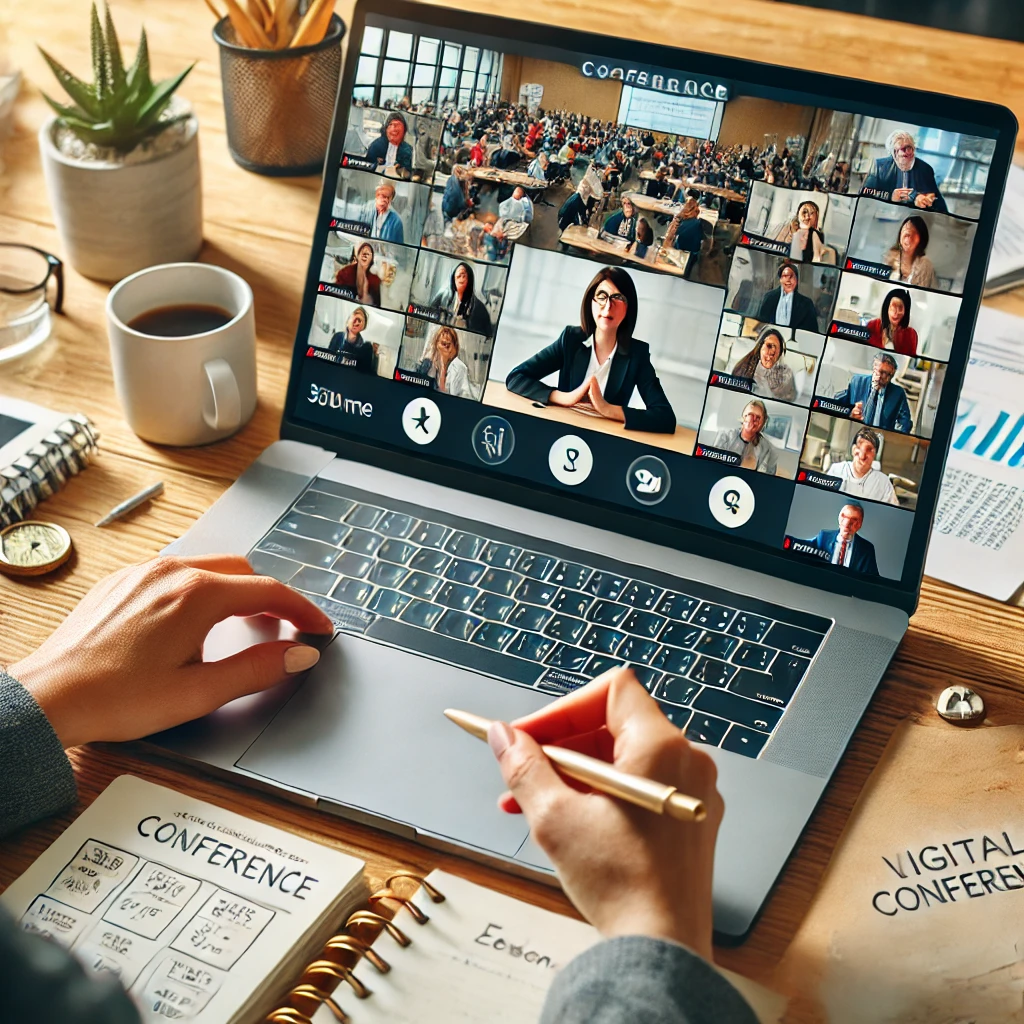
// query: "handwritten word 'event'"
[[224, 855], [935, 859]]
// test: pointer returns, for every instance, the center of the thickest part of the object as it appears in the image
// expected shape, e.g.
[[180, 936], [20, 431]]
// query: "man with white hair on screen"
[[901, 177]]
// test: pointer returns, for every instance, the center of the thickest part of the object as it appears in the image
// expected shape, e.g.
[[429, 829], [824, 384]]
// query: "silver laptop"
[[610, 354]]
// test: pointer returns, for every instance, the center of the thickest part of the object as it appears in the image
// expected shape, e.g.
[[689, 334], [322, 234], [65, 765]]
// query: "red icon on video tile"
[[802, 476], [787, 543]]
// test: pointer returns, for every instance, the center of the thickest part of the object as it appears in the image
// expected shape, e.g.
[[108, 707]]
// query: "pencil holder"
[[279, 104]]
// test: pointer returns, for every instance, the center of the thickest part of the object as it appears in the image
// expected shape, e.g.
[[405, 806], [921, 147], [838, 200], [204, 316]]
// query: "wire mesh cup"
[[279, 104]]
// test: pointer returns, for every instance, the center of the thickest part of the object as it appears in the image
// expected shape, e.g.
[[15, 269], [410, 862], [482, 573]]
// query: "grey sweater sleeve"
[[643, 981], [36, 773]]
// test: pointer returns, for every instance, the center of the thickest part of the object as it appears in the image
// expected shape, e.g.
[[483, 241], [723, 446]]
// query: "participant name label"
[[845, 330], [413, 378], [797, 546], [729, 380], [360, 163], [879, 270], [766, 244], [812, 476], [717, 455], [832, 405], [353, 227], [427, 312], [337, 290]]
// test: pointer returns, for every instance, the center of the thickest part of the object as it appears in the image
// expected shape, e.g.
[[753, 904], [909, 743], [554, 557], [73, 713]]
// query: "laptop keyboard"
[[721, 666]]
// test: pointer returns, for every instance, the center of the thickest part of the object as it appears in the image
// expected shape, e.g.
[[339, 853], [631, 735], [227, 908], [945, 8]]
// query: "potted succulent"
[[121, 163]]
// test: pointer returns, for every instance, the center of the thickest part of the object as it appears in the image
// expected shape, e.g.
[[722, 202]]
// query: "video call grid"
[[830, 189]]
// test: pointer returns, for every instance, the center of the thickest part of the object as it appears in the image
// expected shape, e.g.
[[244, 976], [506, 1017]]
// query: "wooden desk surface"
[[261, 227], [498, 395], [580, 237]]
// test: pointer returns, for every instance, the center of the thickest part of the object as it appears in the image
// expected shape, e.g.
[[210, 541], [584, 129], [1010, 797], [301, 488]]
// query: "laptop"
[[610, 353]]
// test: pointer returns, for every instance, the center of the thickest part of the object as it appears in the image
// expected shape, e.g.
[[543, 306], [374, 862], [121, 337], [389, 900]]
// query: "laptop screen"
[[700, 299]]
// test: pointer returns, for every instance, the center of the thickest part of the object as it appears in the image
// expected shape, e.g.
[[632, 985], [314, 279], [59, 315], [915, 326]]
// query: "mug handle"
[[227, 402]]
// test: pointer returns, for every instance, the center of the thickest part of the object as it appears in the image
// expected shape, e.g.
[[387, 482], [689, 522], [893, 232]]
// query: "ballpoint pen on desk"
[[133, 502], [646, 793]]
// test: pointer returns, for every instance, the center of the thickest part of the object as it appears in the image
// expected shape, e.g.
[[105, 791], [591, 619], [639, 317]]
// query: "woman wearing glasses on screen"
[[806, 242], [892, 329], [356, 275], [764, 366], [441, 363], [907, 257], [459, 304], [599, 363]]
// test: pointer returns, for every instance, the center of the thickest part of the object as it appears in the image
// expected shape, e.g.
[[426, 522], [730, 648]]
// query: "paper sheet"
[[920, 916], [483, 957], [1008, 247], [191, 906], [977, 541]]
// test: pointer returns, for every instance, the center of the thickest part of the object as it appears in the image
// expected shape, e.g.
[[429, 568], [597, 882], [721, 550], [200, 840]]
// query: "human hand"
[[627, 870], [128, 661], [606, 409], [901, 195], [570, 398], [857, 412], [923, 200]]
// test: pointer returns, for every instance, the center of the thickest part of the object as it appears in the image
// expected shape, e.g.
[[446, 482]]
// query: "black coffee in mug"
[[180, 321]]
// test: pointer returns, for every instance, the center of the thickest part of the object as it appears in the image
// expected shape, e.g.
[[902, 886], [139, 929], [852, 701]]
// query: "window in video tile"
[[370, 206], [361, 338], [443, 358], [776, 290], [864, 537], [808, 227], [878, 388], [904, 320], [368, 271], [865, 463], [751, 433], [767, 361], [651, 388]]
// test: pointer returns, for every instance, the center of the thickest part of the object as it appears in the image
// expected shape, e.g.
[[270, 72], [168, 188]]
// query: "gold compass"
[[31, 548]]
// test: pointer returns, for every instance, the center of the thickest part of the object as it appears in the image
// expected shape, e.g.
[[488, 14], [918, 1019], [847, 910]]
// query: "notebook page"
[[192, 906], [482, 957]]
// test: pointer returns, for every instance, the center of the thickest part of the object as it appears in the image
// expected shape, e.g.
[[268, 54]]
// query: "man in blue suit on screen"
[[902, 178], [876, 401], [844, 547]]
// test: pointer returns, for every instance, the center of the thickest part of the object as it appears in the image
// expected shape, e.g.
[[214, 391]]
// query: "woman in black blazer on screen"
[[599, 364]]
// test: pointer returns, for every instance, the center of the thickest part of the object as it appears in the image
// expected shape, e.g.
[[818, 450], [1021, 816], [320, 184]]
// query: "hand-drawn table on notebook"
[[261, 228]]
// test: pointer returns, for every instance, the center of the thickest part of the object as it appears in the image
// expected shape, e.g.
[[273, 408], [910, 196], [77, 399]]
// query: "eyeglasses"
[[603, 298], [904, 149], [25, 273]]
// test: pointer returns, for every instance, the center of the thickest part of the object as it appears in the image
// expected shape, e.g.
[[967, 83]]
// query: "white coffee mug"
[[189, 390]]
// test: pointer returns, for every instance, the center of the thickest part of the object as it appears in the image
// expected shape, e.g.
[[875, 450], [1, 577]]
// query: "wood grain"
[[261, 228]]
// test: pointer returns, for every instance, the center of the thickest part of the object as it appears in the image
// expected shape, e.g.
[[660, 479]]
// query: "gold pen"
[[646, 793]]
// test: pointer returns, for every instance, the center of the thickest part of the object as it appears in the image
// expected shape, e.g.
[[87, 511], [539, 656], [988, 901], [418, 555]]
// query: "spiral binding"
[[45, 467], [323, 976]]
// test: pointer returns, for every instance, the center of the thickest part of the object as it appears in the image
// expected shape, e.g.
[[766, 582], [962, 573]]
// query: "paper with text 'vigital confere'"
[[920, 916]]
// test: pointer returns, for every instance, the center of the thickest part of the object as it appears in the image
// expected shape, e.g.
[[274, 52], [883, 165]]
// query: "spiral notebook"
[[203, 914], [454, 952]]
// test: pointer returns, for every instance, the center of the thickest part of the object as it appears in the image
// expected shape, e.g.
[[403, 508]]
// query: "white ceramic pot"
[[116, 219]]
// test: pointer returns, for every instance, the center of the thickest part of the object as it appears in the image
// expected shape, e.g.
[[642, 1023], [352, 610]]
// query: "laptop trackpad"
[[366, 729]]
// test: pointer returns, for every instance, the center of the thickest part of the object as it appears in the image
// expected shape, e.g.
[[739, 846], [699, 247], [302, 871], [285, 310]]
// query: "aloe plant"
[[120, 108]]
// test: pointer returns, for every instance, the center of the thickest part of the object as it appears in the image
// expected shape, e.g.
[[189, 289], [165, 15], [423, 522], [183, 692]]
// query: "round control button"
[[731, 501], [570, 460], [648, 480], [493, 440], [421, 420]]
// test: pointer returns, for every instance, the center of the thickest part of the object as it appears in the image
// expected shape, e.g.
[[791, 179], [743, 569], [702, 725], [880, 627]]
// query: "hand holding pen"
[[628, 871]]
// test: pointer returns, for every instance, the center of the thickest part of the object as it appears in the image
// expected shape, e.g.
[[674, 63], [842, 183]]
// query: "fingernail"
[[500, 736], [299, 658]]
